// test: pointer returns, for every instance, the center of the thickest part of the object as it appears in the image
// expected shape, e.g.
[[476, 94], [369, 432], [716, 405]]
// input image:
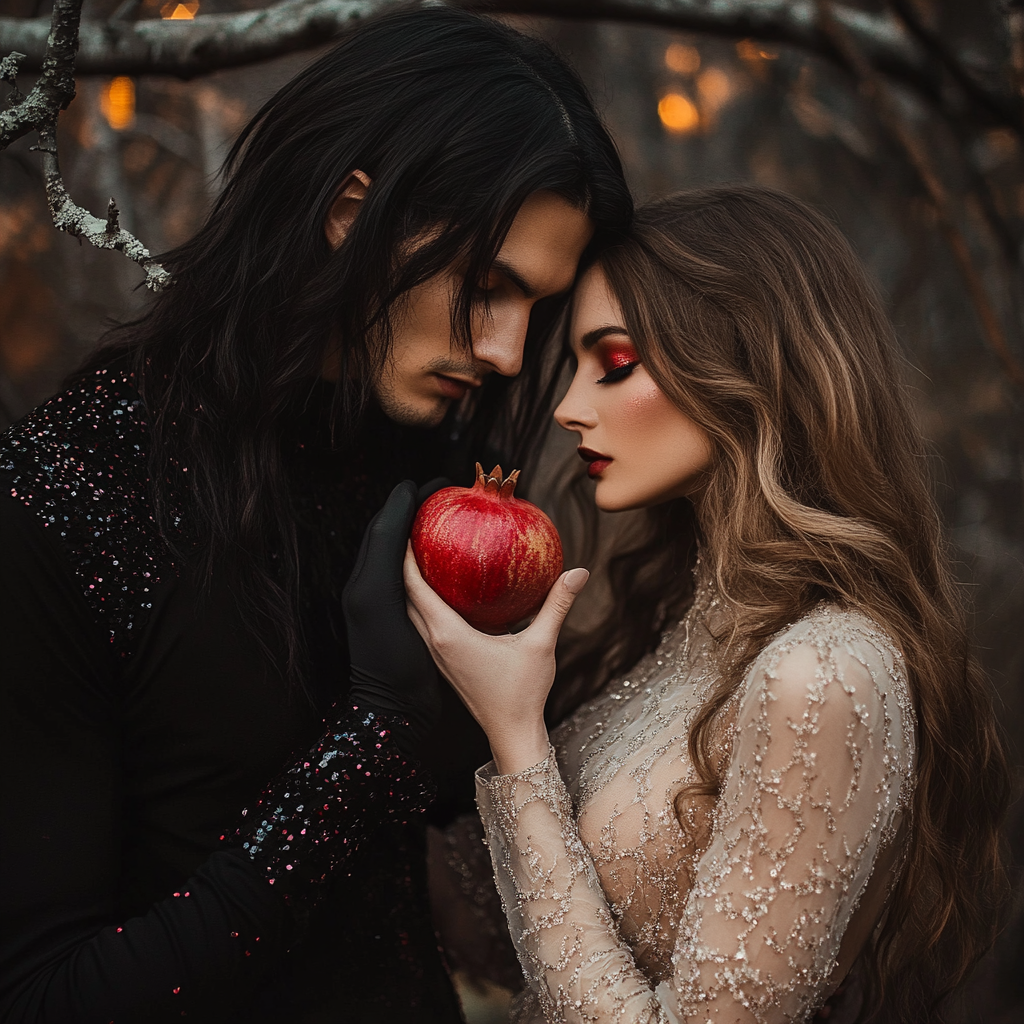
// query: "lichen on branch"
[[104, 234], [39, 111]]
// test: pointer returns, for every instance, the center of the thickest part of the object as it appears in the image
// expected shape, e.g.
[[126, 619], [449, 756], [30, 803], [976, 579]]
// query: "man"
[[397, 231]]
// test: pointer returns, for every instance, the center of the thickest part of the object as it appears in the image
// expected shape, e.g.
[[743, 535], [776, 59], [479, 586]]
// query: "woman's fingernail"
[[575, 580]]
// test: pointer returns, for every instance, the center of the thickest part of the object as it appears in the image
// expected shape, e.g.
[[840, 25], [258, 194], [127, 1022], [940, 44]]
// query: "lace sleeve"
[[819, 776]]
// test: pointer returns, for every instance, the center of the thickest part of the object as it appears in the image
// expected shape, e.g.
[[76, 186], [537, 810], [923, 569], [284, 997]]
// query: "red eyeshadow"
[[618, 354]]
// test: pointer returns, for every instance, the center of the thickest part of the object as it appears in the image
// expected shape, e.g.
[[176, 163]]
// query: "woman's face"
[[641, 449]]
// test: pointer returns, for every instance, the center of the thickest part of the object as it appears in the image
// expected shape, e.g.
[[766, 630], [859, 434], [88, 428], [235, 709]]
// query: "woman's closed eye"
[[618, 360], [619, 373]]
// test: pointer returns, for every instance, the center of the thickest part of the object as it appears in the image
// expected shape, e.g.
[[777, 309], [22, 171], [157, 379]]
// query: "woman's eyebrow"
[[591, 338]]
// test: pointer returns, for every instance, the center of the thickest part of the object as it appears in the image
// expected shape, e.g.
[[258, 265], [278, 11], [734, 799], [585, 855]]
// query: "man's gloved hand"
[[391, 669]]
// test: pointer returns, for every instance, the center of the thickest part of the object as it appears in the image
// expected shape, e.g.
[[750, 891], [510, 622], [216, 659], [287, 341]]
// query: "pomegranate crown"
[[493, 483]]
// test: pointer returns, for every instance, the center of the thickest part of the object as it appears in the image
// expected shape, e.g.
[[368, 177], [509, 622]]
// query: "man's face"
[[428, 370]]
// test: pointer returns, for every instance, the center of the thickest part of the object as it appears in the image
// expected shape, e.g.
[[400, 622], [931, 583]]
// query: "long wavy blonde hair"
[[753, 314]]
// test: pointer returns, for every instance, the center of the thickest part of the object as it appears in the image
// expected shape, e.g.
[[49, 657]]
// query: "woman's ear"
[[342, 213]]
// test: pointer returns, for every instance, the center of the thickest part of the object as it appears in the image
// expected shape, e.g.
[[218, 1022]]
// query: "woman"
[[805, 770]]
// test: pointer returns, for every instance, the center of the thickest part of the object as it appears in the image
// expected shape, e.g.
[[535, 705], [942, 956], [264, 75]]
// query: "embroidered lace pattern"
[[628, 905]]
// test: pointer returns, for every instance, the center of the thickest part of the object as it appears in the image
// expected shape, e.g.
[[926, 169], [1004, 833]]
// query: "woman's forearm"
[[519, 749], [559, 918]]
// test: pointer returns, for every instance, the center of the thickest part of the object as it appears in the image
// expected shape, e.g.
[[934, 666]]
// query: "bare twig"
[[879, 93], [39, 112], [9, 74], [104, 234]]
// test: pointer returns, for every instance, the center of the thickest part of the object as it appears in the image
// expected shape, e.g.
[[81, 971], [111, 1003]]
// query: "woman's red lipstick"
[[598, 463]]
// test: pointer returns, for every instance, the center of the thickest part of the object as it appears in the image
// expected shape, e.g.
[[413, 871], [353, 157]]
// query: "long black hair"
[[457, 119]]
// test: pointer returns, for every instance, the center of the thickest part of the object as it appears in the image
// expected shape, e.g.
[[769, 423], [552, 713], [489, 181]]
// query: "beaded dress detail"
[[629, 900]]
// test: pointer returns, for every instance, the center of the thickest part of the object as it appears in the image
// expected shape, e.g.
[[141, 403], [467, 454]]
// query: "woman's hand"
[[503, 680]]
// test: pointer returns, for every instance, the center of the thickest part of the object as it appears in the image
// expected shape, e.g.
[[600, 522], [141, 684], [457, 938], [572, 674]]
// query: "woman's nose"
[[574, 412]]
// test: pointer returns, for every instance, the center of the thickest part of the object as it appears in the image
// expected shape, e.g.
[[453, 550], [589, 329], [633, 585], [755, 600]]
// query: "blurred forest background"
[[686, 109]]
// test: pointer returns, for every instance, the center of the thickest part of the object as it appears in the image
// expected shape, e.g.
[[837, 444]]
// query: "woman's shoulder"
[[833, 627], [836, 648]]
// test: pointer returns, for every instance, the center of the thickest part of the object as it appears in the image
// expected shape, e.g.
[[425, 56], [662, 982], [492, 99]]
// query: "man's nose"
[[500, 344]]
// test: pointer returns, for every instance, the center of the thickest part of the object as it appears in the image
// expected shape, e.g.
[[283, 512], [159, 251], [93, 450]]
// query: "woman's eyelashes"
[[618, 373]]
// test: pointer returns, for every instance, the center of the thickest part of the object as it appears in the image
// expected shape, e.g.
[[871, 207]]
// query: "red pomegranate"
[[489, 555]]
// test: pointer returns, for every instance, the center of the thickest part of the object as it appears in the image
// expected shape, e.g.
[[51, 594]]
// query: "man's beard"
[[409, 415], [406, 414]]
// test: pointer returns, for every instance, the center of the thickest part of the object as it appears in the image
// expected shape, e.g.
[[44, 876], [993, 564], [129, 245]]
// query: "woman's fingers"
[[557, 604], [433, 613], [434, 619]]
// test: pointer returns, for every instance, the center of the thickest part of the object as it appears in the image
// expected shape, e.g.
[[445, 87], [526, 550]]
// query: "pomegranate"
[[491, 556]]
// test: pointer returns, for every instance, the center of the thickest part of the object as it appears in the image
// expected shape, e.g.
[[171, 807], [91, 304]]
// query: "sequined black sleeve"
[[314, 814]]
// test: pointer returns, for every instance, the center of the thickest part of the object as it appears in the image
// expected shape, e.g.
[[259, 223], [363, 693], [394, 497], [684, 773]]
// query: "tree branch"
[[55, 88], [966, 127], [39, 111], [189, 48], [102, 233], [210, 42], [1005, 108], [879, 93]]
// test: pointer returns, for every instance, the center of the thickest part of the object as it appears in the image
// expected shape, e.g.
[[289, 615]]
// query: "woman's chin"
[[612, 499], [609, 497]]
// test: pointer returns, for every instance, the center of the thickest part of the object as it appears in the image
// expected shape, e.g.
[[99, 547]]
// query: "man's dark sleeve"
[[64, 954]]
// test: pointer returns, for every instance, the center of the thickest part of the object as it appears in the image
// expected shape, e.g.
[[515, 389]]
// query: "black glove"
[[391, 669]]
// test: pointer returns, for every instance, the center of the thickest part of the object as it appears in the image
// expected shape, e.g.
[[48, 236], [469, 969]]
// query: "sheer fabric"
[[629, 900]]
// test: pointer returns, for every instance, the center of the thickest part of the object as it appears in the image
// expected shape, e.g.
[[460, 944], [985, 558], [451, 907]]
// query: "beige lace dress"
[[628, 905]]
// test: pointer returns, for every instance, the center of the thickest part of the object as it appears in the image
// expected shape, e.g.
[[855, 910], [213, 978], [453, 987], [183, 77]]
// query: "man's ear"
[[342, 213]]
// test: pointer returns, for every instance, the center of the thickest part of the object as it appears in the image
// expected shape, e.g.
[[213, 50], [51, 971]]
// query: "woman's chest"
[[625, 759]]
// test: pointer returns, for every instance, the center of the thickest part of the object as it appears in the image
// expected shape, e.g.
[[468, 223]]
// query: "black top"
[[138, 718]]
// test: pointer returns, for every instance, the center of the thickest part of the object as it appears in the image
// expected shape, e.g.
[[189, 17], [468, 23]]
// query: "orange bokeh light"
[[174, 11], [682, 59], [118, 103], [678, 114], [714, 89]]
